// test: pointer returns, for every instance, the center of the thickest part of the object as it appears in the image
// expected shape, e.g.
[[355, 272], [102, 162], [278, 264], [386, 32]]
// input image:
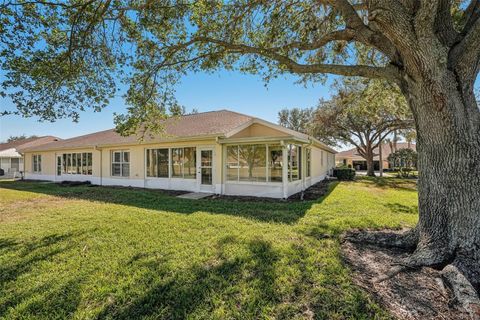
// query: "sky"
[[204, 92]]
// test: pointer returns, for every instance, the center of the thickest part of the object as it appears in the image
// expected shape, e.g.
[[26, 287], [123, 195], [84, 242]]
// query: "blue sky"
[[205, 92]]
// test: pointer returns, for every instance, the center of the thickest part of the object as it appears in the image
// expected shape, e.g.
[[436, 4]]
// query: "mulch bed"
[[415, 294], [314, 192]]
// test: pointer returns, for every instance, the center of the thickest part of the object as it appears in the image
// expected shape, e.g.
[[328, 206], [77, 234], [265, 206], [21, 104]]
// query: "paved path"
[[195, 195]]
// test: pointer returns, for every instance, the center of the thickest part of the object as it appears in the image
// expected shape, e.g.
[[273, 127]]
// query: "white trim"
[[240, 128], [203, 187]]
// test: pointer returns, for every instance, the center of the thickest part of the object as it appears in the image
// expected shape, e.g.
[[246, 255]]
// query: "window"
[[252, 163], [75, 163], [232, 163], [308, 160], [121, 163], [184, 163], [294, 162], [256, 163], [59, 165], [275, 163], [157, 163], [37, 163]]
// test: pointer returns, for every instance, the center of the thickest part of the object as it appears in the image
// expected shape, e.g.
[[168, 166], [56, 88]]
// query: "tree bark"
[[448, 144], [369, 159]]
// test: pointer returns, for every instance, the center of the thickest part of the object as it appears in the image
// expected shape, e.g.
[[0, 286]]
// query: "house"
[[351, 157], [221, 152], [11, 160]]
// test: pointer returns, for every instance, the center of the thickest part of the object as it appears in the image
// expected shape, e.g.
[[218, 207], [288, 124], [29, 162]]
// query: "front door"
[[205, 170]]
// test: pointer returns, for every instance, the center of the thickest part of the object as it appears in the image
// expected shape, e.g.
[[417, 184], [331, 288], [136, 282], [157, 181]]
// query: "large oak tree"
[[62, 57]]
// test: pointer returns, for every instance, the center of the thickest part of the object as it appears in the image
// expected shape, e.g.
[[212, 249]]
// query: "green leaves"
[[362, 112]]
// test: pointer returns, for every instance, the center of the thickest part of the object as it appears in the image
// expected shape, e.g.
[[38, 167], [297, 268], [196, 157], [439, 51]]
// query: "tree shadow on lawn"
[[278, 212], [17, 278], [235, 285], [387, 182]]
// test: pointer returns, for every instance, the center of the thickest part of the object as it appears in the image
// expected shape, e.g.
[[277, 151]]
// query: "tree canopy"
[[297, 119], [60, 58]]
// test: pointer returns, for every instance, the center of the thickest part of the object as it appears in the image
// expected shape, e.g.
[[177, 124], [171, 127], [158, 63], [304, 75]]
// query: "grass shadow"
[[390, 182], [195, 291], [278, 212], [19, 260]]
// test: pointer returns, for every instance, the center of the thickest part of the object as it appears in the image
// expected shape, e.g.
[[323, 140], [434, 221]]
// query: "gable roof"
[[19, 145], [386, 151]]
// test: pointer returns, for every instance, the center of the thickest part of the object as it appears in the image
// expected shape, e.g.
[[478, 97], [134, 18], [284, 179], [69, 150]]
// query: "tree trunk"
[[448, 144], [380, 158], [370, 166]]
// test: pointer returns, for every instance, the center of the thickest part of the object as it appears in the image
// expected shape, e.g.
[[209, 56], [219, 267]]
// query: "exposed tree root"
[[461, 269], [406, 239], [464, 293]]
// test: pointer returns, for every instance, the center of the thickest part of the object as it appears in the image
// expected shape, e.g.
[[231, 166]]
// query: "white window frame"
[[121, 163], [149, 150], [267, 164], [37, 163], [170, 160]]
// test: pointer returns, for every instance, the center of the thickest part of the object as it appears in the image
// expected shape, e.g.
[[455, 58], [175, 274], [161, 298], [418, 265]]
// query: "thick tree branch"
[[364, 33], [388, 72], [471, 15], [466, 55]]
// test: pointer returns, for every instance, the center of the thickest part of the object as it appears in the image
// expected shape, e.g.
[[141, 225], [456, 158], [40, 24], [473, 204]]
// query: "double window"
[[37, 163], [254, 162], [75, 163], [120, 163], [183, 162]]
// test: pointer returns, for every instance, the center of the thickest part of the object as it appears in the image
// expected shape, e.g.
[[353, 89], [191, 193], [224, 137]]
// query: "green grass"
[[96, 252]]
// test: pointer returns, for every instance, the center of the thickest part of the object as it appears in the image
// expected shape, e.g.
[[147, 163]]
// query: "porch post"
[[284, 169]]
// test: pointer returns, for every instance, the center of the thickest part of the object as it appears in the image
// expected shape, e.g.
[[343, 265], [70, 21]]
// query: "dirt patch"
[[415, 294], [314, 192]]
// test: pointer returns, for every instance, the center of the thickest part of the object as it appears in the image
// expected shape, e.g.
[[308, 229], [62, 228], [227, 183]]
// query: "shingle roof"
[[20, 145], [213, 123], [352, 153]]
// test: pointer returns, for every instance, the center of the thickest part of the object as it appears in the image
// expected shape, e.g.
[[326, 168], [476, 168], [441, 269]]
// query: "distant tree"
[[297, 119], [404, 160], [410, 136], [20, 137], [362, 113]]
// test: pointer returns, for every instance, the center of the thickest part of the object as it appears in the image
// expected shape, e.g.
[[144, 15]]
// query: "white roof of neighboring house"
[[19, 145], [10, 153]]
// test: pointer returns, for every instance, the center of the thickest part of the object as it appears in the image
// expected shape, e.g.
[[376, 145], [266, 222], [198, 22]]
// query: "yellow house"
[[221, 152]]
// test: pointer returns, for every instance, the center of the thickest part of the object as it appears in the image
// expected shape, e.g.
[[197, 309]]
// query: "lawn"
[[98, 253]]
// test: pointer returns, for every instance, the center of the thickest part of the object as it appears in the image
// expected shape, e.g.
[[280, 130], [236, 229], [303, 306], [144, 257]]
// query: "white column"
[[285, 170]]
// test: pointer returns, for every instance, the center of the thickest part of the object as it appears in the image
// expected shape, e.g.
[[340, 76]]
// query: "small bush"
[[344, 173]]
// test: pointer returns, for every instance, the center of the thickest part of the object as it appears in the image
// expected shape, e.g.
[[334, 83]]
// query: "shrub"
[[344, 173]]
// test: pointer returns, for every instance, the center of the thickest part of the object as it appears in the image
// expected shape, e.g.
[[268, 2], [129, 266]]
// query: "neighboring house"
[[11, 160], [221, 152], [351, 157]]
